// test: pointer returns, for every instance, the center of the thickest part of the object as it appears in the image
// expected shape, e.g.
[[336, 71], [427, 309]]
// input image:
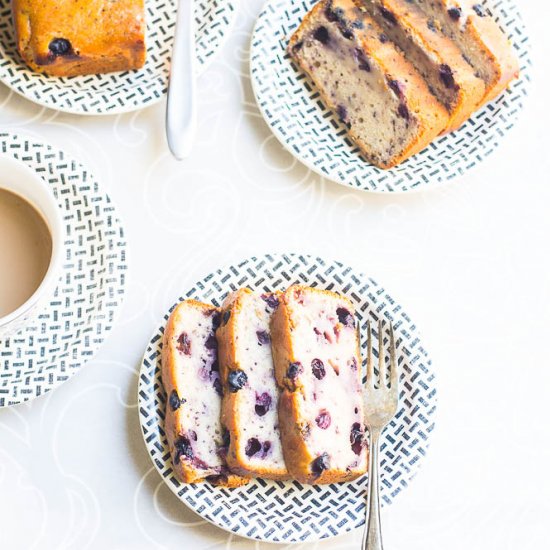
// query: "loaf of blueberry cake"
[[249, 408], [381, 98], [482, 43], [318, 368], [76, 37], [436, 57], [190, 375]]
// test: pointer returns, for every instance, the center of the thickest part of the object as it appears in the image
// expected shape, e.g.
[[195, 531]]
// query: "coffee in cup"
[[25, 251], [32, 239]]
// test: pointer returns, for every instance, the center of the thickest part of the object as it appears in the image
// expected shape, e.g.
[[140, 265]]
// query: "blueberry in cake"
[[481, 41], [249, 410], [318, 368], [72, 37], [376, 92], [191, 378], [436, 57]]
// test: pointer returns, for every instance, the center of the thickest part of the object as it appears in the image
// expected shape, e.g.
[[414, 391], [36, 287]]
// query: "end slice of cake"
[[318, 368], [249, 410], [190, 376], [436, 57], [70, 38], [385, 103], [482, 42]]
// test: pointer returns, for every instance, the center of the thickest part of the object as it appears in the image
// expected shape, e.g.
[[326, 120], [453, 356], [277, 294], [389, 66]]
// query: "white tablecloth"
[[468, 261]]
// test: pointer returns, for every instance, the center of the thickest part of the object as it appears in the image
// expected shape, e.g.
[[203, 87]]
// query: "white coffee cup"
[[21, 180]]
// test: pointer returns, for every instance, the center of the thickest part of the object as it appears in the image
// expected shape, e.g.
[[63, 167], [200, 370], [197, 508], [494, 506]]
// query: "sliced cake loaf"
[[450, 78], [479, 38], [381, 98], [249, 409], [193, 396], [318, 368], [71, 37]]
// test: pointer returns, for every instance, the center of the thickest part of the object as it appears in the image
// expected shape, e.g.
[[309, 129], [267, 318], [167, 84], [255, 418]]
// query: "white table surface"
[[469, 261]]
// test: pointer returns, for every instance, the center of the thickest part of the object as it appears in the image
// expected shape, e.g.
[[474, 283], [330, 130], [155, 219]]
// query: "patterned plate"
[[289, 512], [291, 105], [91, 288], [117, 92]]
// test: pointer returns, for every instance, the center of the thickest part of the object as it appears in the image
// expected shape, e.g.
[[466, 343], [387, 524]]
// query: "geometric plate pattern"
[[69, 330], [120, 92], [293, 109], [287, 511]]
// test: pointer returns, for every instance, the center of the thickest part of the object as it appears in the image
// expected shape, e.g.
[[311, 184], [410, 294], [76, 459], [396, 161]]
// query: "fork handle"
[[372, 537]]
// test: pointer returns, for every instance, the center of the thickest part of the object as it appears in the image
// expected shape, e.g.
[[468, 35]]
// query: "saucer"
[[70, 329]]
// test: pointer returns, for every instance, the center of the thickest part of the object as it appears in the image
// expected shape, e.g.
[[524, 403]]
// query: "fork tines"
[[382, 377]]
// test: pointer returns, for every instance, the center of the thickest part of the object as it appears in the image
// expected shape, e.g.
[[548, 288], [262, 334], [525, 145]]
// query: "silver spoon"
[[181, 112]]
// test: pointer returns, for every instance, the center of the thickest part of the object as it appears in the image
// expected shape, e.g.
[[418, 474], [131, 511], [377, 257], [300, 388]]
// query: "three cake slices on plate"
[[401, 72], [267, 386]]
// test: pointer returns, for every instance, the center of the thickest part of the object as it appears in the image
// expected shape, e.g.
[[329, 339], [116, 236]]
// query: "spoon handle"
[[181, 112]]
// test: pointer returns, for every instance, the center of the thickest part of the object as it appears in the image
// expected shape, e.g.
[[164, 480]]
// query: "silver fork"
[[381, 405]]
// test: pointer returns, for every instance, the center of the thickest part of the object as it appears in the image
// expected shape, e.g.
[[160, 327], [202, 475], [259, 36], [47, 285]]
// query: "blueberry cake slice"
[[249, 409], [384, 102], [77, 37], [436, 57], [190, 376], [482, 43], [450, 78], [318, 368]]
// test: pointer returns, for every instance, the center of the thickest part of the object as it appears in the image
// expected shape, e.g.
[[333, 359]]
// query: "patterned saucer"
[[291, 106], [116, 93], [289, 512], [90, 292]]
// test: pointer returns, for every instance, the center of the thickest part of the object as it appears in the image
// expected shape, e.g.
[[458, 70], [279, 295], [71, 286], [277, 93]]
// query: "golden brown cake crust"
[[432, 118], [171, 381], [298, 457], [477, 34], [104, 35], [471, 89], [231, 409], [487, 34]]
